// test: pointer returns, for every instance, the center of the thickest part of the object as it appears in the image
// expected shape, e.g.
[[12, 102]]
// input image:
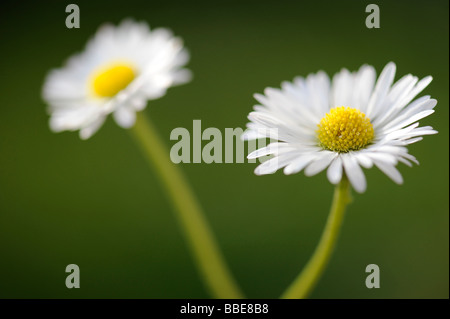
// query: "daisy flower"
[[352, 121], [121, 68]]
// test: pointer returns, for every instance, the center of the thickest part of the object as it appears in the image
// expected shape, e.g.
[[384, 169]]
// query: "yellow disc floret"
[[345, 129], [110, 80]]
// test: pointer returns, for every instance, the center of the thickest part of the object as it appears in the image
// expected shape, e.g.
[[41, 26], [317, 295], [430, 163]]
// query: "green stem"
[[308, 278], [199, 237]]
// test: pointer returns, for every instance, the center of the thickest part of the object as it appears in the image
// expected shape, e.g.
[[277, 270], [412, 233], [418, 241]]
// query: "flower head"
[[350, 122], [121, 68]]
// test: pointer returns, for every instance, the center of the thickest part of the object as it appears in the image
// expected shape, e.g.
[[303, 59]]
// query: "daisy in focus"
[[120, 70], [343, 124]]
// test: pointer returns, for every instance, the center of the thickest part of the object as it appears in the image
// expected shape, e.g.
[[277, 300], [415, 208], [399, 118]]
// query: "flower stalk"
[[309, 277], [200, 239]]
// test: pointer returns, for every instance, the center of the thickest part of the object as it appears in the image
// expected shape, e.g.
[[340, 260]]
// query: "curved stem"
[[199, 237], [308, 278]]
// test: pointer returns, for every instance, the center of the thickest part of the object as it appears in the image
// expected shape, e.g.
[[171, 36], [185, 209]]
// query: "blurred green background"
[[97, 204]]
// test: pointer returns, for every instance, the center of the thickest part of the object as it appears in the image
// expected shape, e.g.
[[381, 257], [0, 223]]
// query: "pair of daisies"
[[353, 120]]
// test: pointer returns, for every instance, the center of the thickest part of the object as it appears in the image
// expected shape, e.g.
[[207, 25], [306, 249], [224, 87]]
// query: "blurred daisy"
[[343, 124], [121, 68]]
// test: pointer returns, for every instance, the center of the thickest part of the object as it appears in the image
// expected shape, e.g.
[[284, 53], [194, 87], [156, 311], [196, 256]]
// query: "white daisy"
[[121, 68], [342, 124]]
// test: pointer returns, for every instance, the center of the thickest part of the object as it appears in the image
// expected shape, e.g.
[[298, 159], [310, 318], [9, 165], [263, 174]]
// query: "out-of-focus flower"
[[119, 71]]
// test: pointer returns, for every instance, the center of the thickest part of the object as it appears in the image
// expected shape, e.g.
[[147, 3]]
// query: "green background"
[[97, 204]]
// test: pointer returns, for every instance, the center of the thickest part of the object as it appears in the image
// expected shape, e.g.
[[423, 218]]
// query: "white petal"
[[138, 103], [272, 148], [342, 88], [250, 135], [404, 161], [319, 90], [365, 82], [181, 77], [412, 140], [363, 160], [390, 171], [393, 102], [414, 108], [320, 164], [334, 172], [73, 118], [300, 163], [354, 173], [409, 120], [381, 89], [418, 132], [417, 89], [125, 117], [410, 157], [88, 131], [399, 133], [272, 165]]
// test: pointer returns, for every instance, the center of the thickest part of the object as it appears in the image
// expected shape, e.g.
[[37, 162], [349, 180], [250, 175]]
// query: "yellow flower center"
[[344, 129], [109, 80]]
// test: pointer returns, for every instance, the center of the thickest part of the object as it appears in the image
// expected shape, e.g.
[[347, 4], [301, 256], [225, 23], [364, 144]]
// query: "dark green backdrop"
[[97, 204]]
